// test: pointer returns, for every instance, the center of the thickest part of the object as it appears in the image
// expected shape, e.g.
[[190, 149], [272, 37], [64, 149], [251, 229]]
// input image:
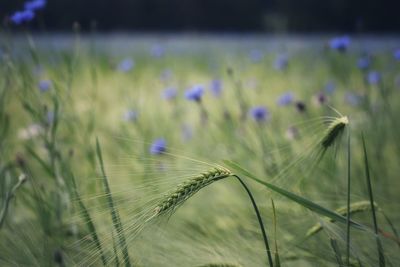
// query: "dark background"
[[372, 16]]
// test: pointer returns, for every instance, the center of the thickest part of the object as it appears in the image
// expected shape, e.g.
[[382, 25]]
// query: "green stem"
[[260, 221], [348, 203]]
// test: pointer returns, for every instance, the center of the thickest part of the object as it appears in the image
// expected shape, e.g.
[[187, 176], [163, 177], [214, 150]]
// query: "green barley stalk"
[[114, 212], [188, 188], [371, 198], [88, 220]]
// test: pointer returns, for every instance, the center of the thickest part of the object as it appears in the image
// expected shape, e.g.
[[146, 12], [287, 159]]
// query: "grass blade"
[[338, 255], [296, 198], [88, 220], [114, 212], [348, 202], [277, 259], [371, 198]]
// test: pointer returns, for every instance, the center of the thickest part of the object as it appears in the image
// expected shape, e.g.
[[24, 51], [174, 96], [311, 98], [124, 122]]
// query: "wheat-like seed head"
[[356, 207], [188, 188], [335, 128]]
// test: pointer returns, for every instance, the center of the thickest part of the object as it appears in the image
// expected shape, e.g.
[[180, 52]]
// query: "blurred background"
[[355, 16]]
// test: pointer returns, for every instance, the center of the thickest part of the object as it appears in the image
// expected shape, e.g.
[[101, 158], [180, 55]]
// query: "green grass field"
[[167, 111]]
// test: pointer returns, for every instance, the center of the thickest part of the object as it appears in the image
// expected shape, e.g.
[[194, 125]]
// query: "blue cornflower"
[[35, 5], [363, 63], [340, 43], [256, 55], [131, 115], [281, 62], [20, 17], [373, 77], [195, 93], [396, 54], [44, 85], [158, 146], [330, 87], [157, 51], [216, 87], [169, 93], [352, 98], [126, 65], [285, 99], [259, 113]]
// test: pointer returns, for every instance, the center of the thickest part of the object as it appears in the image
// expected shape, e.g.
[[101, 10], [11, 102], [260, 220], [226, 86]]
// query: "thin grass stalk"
[[348, 202], [113, 210], [259, 218], [277, 259], [88, 221], [336, 250], [371, 198]]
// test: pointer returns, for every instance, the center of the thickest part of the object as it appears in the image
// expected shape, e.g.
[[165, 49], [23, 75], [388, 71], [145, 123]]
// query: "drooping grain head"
[[335, 129], [188, 188]]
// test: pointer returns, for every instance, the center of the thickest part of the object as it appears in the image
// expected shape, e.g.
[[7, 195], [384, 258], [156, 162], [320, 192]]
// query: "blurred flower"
[[20, 17], [187, 132], [292, 133], [281, 62], [256, 55], [195, 93], [285, 99], [352, 98], [330, 87], [259, 113], [30, 132], [300, 106], [130, 115], [35, 5], [216, 87], [158, 146], [169, 93], [166, 75], [340, 43], [373, 77], [157, 51], [320, 99], [126, 65], [44, 85], [396, 54], [363, 63]]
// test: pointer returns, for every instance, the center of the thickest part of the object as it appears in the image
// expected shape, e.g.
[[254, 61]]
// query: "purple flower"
[[340, 43], [255, 55], [44, 85], [158, 146], [373, 77], [35, 5], [352, 98], [259, 113], [216, 87], [20, 17], [330, 87], [396, 54], [169, 93], [130, 115], [126, 65], [281, 62], [300, 106], [195, 93], [363, 63], [157, 51], [285, 99], [320, 98]]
